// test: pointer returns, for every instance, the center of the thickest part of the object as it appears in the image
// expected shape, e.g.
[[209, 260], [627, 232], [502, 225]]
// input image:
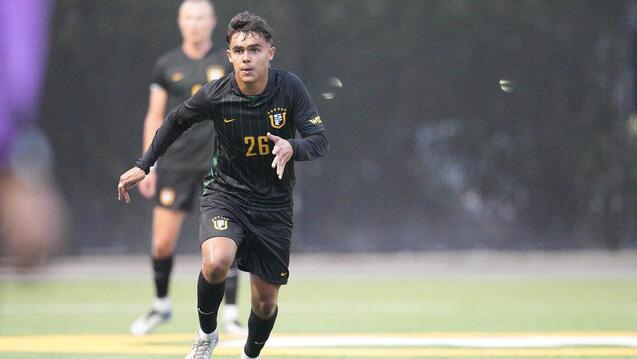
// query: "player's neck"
[[196, 50], [254, 88]]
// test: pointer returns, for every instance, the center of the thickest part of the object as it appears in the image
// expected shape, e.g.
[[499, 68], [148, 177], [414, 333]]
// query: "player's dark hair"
[[248, 22]]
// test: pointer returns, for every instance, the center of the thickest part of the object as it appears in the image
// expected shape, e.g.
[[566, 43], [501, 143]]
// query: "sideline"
[[583, 264]]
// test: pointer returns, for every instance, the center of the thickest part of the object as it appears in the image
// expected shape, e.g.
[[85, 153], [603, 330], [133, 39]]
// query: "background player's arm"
[[157, 101]]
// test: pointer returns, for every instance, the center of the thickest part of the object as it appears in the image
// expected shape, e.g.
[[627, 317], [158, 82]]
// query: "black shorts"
[[263, 237], [177, 190]]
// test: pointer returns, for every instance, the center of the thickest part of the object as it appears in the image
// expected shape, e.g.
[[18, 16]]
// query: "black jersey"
[[241, 163], [182, 77]]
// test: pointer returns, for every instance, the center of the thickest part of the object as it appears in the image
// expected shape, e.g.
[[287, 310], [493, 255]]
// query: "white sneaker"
[[234, 328], [231, 323], [147, 323], [245, 356], [203, 345]]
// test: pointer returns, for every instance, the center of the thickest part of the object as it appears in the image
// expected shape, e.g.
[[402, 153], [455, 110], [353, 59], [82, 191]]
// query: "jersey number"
[[259, 143]]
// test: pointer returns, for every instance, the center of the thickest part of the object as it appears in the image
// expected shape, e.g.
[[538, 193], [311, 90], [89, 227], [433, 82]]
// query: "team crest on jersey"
[[177, 76], [277, 117], [220, 223], [215, 72]]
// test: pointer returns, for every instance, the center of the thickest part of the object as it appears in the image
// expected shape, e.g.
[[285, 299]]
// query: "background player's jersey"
[[182, 77], [242, 155]]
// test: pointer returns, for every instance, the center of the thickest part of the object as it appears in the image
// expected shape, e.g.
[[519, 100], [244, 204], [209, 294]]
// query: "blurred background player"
[[179, 175], [26, 186]]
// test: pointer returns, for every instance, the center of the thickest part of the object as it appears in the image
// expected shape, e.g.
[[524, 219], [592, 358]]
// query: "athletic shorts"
[[177, 190], [263, 237]]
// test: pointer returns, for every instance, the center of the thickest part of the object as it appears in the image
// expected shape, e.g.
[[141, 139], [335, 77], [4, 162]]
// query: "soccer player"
[[179, 176], [246, 209]]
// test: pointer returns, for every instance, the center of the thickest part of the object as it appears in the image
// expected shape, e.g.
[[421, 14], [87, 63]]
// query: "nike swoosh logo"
[[259, 343], [228, 120]]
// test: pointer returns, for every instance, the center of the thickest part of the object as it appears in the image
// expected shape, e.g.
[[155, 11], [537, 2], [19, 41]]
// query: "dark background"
[[427, 151]]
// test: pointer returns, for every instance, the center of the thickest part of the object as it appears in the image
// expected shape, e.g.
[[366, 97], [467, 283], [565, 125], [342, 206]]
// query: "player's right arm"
[[157, 102], [195, 109]]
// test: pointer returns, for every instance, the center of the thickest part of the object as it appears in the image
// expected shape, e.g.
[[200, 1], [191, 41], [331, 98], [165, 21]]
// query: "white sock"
[[162, 305], [245, 356], [230, 313], [204, 335]]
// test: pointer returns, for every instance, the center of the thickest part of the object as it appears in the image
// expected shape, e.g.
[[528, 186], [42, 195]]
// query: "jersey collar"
[[268, 87]]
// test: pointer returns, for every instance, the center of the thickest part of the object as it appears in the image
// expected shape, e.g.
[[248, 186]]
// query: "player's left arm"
[[312, 144]]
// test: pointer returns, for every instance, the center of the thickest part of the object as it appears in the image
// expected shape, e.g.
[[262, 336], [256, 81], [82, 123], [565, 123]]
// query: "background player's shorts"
[[263, 237], [177, 190]]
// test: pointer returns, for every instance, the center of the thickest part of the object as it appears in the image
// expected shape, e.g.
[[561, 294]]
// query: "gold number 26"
[[259, 143]]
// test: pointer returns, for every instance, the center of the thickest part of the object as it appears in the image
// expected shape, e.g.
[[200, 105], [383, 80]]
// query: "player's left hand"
[[282, 152]]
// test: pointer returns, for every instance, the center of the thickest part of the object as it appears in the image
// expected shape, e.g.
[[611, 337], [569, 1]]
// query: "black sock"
[[231, 289], [209, 298], [258, 333], [161, 273]]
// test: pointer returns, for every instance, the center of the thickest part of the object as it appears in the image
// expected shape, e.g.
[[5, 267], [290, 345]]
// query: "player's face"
[[196, 21], [250, 55]]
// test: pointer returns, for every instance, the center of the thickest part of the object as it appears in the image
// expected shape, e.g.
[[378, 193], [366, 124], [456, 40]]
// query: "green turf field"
[[93, 317]]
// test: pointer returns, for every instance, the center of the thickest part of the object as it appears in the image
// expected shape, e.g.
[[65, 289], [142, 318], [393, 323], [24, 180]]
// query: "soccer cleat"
[[147, 323], [245, 356], [203, 345], [233, 327]]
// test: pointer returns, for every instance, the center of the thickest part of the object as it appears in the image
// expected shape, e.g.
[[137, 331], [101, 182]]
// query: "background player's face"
[[250, 55], [196, 21]]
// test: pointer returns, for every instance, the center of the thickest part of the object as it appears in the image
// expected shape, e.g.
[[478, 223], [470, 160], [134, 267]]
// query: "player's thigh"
[[221, 231], [166, 227], [218, 251]]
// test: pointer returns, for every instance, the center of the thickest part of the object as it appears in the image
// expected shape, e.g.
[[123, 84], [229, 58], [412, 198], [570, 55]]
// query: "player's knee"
[[263, 308], [163, 248], [215, 270]]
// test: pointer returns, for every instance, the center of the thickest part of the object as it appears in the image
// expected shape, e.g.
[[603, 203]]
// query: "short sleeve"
[[158, 77], [305, 115], [197, 108]]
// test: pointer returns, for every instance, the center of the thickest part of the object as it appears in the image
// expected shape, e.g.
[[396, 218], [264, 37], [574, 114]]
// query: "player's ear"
[[271, 52], [228, 53]]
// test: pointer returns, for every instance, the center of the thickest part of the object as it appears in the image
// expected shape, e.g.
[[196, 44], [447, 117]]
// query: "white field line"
[[106, 343], [432, 341]]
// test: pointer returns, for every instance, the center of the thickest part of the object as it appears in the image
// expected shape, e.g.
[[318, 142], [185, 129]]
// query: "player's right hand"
[[148, 185], [127, 181]]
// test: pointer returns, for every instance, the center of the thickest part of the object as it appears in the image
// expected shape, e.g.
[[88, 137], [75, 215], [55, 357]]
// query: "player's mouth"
[[247, 71]]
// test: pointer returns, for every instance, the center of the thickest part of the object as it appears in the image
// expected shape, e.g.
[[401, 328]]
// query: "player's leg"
[[217, 255], [271, 234], [231, 322], [166, 227], [264, 298]]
